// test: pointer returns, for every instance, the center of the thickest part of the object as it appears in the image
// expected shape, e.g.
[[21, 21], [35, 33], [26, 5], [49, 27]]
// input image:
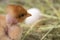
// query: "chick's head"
[[17, 12]]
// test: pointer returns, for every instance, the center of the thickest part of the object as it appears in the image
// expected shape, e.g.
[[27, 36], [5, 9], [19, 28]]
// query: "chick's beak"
[[28, 15]]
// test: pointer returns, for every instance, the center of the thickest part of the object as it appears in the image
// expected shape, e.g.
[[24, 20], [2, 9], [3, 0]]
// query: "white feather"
[[36, 15]]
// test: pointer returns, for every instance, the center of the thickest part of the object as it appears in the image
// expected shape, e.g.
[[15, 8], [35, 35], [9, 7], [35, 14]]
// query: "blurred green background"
[[47, 28]]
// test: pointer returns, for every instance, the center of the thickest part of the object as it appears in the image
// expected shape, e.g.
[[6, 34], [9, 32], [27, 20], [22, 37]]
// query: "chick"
[[9, 23], [16, 13]]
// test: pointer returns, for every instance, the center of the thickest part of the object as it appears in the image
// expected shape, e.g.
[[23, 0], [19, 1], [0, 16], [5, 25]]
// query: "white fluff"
[[36, 14]]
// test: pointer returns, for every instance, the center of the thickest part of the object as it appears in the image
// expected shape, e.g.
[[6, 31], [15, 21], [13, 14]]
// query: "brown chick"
[[9, 27], [16, 13]]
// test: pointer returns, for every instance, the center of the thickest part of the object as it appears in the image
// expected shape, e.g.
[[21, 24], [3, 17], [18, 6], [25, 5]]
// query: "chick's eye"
[[21, 15]]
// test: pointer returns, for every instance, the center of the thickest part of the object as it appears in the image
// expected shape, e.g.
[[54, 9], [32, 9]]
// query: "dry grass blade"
[[47, 33], [31, 28]]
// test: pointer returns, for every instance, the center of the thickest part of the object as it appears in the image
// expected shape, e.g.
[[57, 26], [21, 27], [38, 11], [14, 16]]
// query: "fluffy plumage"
[[9, 27]]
